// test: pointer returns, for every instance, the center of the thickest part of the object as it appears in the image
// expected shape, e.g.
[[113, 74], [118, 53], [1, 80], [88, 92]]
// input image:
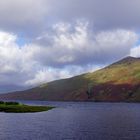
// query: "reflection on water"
[[74, 121]]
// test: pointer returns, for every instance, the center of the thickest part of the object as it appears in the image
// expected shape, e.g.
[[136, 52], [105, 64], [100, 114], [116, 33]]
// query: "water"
[[74, 121]]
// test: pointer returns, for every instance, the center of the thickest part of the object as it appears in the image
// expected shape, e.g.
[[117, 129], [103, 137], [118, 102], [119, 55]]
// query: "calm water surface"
[[74, 121]]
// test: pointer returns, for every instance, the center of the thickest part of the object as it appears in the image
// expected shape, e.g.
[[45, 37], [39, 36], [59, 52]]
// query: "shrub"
[[1, 102], [11, 103]]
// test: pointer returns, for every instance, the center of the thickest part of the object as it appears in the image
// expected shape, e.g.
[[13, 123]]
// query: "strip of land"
[[15, 107]]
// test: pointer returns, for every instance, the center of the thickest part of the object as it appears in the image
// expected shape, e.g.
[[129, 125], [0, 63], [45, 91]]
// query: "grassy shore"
[[15, 107]]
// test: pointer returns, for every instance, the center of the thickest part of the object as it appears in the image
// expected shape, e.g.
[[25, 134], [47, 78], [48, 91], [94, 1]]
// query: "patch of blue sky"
[[22, 40], [138, 43]]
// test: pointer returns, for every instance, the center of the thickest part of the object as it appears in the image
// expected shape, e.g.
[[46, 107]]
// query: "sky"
[[45, 40]]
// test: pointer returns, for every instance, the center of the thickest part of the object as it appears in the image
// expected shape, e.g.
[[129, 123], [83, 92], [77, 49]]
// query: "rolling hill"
[[119, 81]]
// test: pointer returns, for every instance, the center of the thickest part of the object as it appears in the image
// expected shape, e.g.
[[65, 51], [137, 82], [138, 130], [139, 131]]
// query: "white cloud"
[[20, 66], [135, 52], [75, 44], [15, 62]]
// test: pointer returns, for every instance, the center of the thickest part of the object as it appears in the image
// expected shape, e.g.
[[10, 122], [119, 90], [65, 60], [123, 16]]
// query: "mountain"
[[119, 81]]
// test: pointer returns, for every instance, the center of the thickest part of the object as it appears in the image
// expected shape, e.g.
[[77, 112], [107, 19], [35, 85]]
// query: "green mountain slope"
[[117, 82]]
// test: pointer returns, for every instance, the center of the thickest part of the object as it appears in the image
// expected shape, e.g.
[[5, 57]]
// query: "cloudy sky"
[[44, 40]]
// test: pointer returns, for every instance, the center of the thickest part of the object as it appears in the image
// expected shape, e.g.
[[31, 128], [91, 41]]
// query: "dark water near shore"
[[74, 121]]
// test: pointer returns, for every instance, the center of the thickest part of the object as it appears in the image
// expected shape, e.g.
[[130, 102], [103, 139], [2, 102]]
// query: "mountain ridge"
[[119, 81]]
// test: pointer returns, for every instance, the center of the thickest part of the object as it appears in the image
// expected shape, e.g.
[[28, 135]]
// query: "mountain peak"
[[126, 60], [129, 58]]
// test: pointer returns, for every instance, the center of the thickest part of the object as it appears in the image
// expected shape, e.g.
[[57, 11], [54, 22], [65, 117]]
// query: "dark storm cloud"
[[23, 16], [33, 17], [105, 14]]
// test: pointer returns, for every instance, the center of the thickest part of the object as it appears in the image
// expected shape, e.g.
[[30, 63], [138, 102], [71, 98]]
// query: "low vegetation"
[[15, 107]]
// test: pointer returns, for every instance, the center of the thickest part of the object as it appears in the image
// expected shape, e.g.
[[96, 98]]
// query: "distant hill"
[[118, 82]]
